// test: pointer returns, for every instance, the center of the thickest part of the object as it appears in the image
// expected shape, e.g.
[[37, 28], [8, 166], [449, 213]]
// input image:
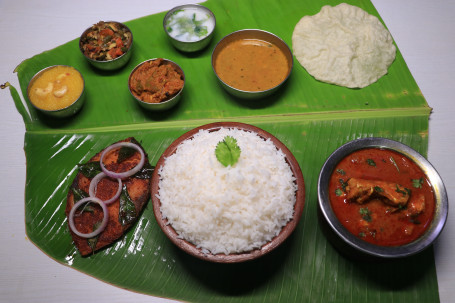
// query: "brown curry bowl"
[[353, 244], [190, 248], [163, 105], [248, 34]]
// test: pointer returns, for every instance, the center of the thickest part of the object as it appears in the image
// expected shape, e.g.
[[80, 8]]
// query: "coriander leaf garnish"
[[371, 162], [417, 183], [365, 213], [227, 151], [378, 189], [343, 184], [338, 192], [403, 192], [341, 171]]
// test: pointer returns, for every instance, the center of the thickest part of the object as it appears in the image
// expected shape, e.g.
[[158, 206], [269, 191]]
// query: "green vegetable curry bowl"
[[189, 27], [107, 45]]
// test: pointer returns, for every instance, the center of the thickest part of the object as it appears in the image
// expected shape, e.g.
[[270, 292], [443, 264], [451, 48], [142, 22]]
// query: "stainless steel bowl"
[[71, 109], [363, 247], [189, 46], [165, 105], [109, 64], [252, 34]]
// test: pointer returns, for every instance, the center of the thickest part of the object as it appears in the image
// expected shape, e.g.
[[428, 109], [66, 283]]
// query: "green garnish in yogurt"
[[189, 24]]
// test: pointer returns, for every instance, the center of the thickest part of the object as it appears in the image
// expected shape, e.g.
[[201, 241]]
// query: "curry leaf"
[[92, 241], [127, 212], [124, 153], [90, 169], [227, 151], [80, 194]]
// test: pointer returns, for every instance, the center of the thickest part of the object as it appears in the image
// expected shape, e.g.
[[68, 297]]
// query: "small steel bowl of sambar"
[[252, 63]]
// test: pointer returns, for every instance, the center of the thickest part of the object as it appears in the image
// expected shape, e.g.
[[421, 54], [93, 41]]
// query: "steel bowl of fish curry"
[[382, 197]]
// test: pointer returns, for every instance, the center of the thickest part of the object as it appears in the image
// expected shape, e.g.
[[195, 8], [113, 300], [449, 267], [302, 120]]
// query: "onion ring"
[[95, 182], [103, 223], [128, 173]]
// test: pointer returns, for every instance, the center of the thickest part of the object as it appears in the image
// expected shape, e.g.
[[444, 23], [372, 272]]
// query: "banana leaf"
[[311, 118]]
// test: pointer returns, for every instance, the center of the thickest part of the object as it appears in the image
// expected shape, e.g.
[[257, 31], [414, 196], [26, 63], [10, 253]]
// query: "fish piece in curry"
[[361, 191]]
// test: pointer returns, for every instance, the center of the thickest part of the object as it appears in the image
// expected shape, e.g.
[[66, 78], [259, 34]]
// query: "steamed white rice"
[[227, 209]]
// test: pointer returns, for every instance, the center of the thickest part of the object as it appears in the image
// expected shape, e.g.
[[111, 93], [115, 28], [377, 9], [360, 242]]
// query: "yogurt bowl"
[[189, 27]]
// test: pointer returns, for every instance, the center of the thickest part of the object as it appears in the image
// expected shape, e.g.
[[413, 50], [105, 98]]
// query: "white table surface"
[[422, 29]]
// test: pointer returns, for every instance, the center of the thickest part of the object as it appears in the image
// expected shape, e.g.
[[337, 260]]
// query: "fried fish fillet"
[[123, 212]]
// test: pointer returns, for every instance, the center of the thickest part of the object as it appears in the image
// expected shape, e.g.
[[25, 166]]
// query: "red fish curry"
[[382, 197]]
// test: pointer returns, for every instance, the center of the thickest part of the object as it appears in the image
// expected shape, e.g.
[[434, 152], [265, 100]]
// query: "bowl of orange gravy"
[[252, 63], [381, 198]]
